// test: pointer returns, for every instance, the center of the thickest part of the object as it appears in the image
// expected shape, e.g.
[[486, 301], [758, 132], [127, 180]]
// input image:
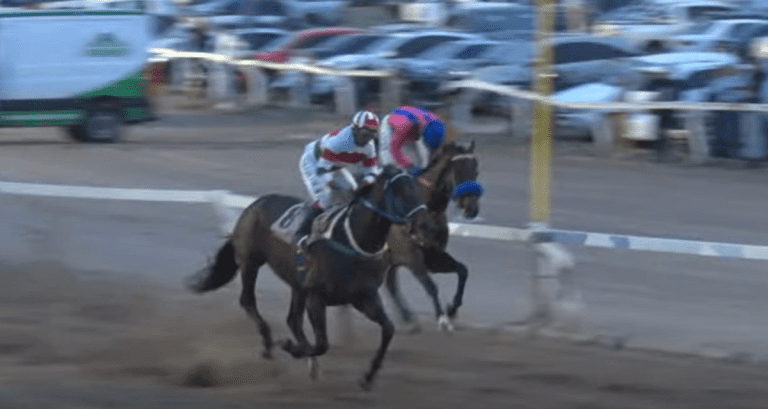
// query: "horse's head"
[[393, 195], [462, 175]]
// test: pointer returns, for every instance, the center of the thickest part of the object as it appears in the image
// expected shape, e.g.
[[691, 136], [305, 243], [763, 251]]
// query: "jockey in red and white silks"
[[408, 137], [351, 149]]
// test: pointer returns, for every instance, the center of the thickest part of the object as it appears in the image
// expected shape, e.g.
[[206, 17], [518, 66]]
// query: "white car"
[[714, 35]]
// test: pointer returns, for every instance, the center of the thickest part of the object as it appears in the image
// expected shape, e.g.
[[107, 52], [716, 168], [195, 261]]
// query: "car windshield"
[[699, 13], [700, 28], [384, 44], [419, 45], [314, 42], [355, 44], [473, 51], [494, 19], [256, 41]]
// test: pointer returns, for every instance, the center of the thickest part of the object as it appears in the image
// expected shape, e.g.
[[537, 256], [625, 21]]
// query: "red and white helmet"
[[366, 119]]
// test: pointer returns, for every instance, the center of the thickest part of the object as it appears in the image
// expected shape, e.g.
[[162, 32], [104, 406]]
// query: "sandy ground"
[[96, 339], [120, 343]]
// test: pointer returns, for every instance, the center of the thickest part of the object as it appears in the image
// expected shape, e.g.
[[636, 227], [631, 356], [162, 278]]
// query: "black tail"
[[216, 275]]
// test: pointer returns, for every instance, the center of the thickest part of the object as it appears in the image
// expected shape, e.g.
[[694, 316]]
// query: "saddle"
[[323, 225], [288, 223]]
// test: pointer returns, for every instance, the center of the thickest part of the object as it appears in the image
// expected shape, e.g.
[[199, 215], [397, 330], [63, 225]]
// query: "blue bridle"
[[390, 200], [470, 188]]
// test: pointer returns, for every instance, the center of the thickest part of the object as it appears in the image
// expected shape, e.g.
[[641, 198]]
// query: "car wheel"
[[103, 125], [76, 132]]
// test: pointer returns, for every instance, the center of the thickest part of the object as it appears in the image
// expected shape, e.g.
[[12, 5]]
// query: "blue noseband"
[[471, 188]]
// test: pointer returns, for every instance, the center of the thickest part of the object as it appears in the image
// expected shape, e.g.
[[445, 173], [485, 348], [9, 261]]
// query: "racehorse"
[[347, 266], [451, 174]]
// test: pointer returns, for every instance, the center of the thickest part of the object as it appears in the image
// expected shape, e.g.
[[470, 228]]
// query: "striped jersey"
[[338, 150]]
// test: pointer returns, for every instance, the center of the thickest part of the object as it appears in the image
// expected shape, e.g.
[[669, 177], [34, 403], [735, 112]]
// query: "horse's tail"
[[217, 274]]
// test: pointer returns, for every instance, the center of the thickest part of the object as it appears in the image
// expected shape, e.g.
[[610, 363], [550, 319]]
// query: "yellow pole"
[[541, 146]]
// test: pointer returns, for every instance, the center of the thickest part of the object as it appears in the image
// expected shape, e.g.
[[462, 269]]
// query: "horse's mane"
[[460, 148]]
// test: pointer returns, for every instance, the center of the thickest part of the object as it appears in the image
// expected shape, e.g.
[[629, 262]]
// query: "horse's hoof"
[[365, 384], [314, 368], [444, 323], [451, 311]]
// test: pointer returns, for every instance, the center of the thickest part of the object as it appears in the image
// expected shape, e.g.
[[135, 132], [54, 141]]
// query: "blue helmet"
[[433, 134]]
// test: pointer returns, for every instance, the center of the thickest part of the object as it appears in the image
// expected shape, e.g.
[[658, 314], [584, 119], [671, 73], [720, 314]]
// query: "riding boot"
[[301, 235]]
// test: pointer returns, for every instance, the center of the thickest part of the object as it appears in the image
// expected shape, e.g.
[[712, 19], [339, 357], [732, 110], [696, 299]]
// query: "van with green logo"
[[78, 69]]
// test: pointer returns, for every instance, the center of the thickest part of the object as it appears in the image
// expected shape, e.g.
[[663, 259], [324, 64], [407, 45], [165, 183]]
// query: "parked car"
[[243, 42], [386, 54], [650, 24], [578, 60], [346, 44], [580, 123], [286, 13], [302, 40], [684, 76], [718, 35], [498, 21], [456, 60]]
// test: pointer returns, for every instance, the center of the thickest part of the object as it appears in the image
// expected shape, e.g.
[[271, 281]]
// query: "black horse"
[[345, 267], [451, 174]]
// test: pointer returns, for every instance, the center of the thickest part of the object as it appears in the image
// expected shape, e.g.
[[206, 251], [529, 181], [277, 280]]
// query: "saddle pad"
[[286, 225]]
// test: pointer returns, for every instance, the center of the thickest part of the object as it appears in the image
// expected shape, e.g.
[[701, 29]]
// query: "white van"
[[79, 69]]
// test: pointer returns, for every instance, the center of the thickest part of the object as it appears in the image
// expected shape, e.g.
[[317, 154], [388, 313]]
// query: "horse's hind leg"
[[371, 306], [248, 302], [296, 324], [442, 262]]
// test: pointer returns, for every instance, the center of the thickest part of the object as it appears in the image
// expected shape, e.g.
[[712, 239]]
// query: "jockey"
[[411, 129], [325, 161]]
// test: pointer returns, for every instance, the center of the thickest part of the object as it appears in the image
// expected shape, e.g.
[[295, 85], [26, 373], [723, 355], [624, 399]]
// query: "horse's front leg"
[[316, 308], [393, 288], [296, 324], [420, 270], [442, 262], [371, 306]]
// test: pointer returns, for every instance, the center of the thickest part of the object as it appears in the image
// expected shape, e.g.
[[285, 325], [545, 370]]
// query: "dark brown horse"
[[451, 175], [345, 267]]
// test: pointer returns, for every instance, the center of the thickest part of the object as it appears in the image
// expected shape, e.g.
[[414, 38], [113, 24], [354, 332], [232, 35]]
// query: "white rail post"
[[555, 300], [391, 92], [698, 142], [257, 84], [345, 96], [604, 133], [221, 90], [521, 118], [298, 94], [461, 108]]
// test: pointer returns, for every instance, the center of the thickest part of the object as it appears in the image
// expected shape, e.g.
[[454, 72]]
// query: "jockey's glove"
[[415, 171]]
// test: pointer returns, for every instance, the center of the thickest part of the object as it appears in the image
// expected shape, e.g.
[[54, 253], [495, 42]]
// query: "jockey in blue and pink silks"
[[408, 137], [325, 161]]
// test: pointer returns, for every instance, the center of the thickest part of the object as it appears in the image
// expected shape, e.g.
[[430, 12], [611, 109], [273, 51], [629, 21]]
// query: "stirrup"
[[302, 242]]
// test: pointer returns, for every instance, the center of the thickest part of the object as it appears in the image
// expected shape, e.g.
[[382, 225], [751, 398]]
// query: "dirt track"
[[117, 342], [66, 343]]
